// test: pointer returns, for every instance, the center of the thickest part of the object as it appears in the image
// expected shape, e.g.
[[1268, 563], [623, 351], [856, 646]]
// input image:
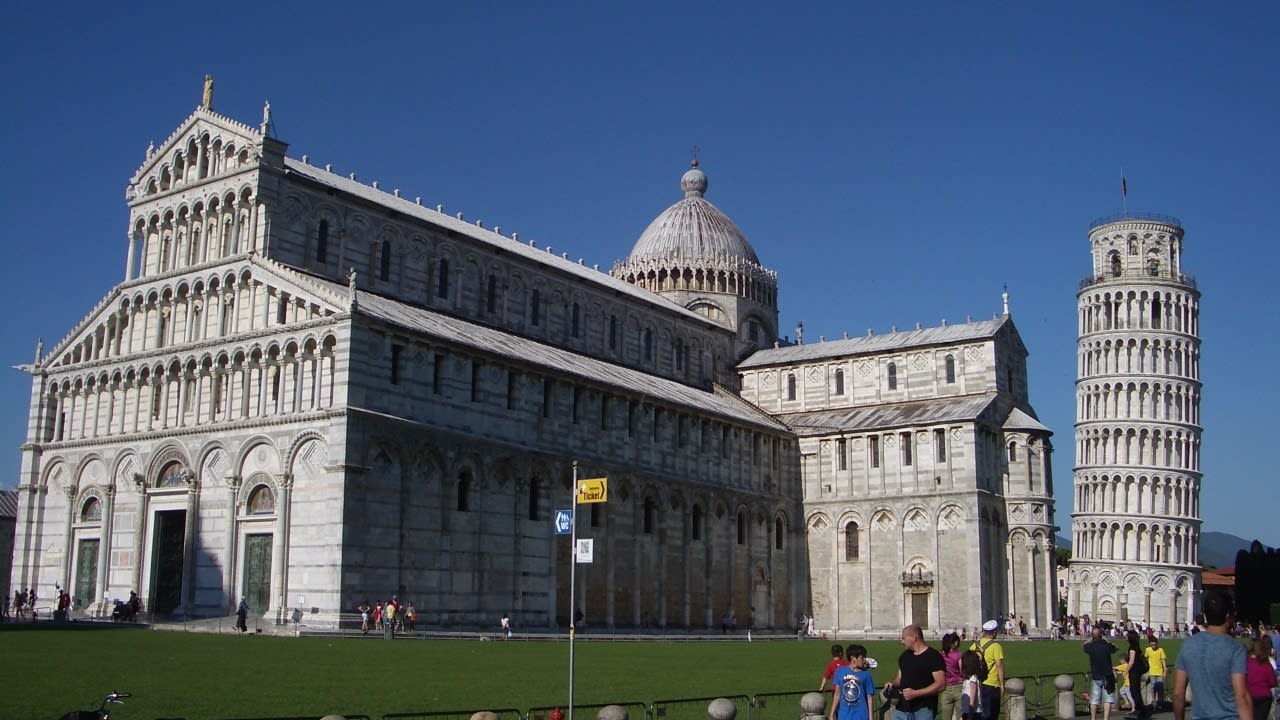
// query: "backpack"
[[983, 670], [1140, 664], [850, 689]]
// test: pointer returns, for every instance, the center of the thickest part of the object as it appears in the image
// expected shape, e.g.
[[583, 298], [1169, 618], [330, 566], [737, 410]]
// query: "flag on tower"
[[1124, 193]]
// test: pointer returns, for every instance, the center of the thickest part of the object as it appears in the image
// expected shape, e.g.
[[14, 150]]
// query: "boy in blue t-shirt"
[[854, 688]]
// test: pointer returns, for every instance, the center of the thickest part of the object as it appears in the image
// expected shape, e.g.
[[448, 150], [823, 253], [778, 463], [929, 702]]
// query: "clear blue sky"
[[895, 163]]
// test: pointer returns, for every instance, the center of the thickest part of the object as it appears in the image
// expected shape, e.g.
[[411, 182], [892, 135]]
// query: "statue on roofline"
[[206, 99]]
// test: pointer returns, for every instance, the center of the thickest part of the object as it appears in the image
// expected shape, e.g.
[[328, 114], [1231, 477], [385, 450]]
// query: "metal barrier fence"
[[695, 708], [1041, 697], [308, 717], [507, 714], [778, 705], [635, 710]]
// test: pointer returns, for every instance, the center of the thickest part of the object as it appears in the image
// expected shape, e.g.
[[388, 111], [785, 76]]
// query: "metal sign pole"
[[573, 580]]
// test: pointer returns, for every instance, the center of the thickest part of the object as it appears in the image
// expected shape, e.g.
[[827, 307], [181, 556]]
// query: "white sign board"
[[585, 551]]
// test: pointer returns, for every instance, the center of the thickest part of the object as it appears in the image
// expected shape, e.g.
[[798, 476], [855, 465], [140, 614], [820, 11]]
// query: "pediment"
[[181, 148], [91, 339], [83, 331]]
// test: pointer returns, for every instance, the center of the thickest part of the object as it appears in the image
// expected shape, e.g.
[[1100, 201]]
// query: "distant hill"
[[1217, 549]]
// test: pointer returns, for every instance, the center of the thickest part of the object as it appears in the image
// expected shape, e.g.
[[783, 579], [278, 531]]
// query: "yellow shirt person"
[[1157, 660]]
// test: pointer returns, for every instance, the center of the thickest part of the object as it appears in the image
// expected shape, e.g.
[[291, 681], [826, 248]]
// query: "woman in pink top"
[[949, 698], [1260, 677]]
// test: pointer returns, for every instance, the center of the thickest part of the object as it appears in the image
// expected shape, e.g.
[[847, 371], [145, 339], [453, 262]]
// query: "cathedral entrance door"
[[86, 585], [257, 572], [166, 561], [920, 610]]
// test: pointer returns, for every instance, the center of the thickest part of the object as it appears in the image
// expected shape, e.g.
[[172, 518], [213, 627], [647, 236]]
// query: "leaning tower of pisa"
[[1135, 529]]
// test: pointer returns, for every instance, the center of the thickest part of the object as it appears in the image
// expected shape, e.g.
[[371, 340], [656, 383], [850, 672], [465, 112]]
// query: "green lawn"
[[196, 676]]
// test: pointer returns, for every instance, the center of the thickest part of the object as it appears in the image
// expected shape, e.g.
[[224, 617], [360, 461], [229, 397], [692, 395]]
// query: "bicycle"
[[103, 712]]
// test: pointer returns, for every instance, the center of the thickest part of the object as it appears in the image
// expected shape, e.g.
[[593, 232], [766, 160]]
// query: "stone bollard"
[[613, 712], [722, 709], [1015, 692], [1066, 705], [484, 715], [813, 706]]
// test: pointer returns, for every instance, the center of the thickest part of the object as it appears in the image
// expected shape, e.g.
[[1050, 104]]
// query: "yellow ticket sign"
[[593, 490]]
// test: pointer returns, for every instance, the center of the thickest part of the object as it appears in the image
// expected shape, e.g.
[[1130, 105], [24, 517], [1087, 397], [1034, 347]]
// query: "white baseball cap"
[[990, 626]]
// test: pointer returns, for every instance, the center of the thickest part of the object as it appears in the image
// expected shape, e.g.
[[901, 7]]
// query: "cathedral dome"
[[693, 229]]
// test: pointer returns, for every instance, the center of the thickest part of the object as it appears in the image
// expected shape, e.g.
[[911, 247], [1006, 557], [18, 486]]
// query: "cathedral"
[[311, 392]]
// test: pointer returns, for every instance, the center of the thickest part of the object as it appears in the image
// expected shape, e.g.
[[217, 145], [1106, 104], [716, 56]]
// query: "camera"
[[892, 692]]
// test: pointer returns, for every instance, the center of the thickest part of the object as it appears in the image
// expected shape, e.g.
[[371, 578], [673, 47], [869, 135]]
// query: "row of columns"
[[1155, 357], [170, 245], [1178, 312], [1171, 449], [1173, 618], [1177, 497], [294, 383], [1173, 403], [1164, 544]]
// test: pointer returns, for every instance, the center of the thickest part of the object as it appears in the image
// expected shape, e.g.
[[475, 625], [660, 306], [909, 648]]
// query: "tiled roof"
[[880, 417], [489, 237], [944, 335], [1019, 420], [491, 341], [8, 504]]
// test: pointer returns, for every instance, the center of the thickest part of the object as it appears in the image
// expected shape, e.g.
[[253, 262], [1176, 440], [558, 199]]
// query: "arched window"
[[1013, 452], [91, 511], [491, 295], [464, 492], [1155, 313], [1115, 263], [851, 541], [442, 280], [791, 386], [695, 526], [648, 344], [613, 331], [574, 320], [839, 382], [384, 261], [322, 242], [779, 529], [535, 308], [951, 369], [742, 527], [893, 376], [1153, 266], [650, 515], [261, 501], [170, 476]]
